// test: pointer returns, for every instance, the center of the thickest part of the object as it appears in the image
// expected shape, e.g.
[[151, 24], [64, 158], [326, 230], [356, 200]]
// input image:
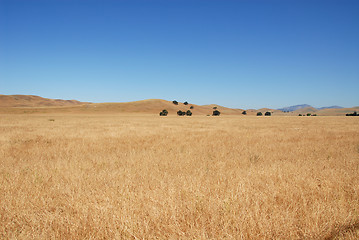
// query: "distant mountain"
[[330, 107], [305, 107], [294, 108]]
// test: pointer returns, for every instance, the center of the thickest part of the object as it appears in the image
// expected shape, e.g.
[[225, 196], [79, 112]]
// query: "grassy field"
[[147, 177]]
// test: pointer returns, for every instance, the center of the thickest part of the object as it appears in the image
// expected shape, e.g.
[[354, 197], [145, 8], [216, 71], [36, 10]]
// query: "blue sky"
[[244, 54]]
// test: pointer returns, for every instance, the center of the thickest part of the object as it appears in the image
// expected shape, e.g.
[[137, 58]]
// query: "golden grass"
[[151, 177]]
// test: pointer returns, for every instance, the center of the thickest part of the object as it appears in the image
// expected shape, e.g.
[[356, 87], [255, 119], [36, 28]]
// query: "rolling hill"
[[34, 101], [157, 105], [36, 104]]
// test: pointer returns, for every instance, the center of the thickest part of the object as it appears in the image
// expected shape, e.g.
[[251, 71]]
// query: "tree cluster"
[[352, 114], [308, 114], [265, 114], [183, 113], [216, 113], [179, 113], [164, 112], [189, 112]]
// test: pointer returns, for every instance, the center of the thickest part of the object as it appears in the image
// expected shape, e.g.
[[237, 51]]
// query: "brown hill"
[[34, 101], [35, 104], [157, 105], [337, 111], [224, 110]]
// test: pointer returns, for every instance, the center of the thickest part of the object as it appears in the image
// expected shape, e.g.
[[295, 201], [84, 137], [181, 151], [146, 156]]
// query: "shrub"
[[214, 107], [175, 102], [244, 112], [191, 107], [185, 103], [268, 114], [189, 113], [164, 112], [309, 114], [259, 114], [180, 113], [352, 114], [216, 113], [300, 114]]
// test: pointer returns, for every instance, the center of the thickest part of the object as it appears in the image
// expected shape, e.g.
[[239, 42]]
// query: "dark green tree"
[[352, 114], [181, 113], [216, 113], [164, 112]]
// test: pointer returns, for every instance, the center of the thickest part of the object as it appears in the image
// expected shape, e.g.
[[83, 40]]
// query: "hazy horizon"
[[237, 54]]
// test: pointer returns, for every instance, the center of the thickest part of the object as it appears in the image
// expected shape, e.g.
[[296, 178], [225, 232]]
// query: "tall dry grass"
[[146, 177]]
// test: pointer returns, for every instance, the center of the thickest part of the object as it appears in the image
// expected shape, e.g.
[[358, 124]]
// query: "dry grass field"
[[146, 177]]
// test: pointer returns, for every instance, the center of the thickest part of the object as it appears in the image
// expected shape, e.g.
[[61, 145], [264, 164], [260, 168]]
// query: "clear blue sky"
[[244, 54]]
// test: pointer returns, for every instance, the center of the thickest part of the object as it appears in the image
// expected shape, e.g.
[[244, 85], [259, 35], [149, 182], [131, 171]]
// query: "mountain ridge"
[[293, 108], [329, 107], [306, 106]]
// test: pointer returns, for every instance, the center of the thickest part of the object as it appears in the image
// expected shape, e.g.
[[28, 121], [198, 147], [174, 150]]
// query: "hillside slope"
[[34, 101], [337, 111], [35, 104], [157, 105]]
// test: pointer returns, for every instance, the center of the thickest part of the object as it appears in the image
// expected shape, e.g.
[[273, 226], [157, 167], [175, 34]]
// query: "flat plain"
[[118, 176]]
